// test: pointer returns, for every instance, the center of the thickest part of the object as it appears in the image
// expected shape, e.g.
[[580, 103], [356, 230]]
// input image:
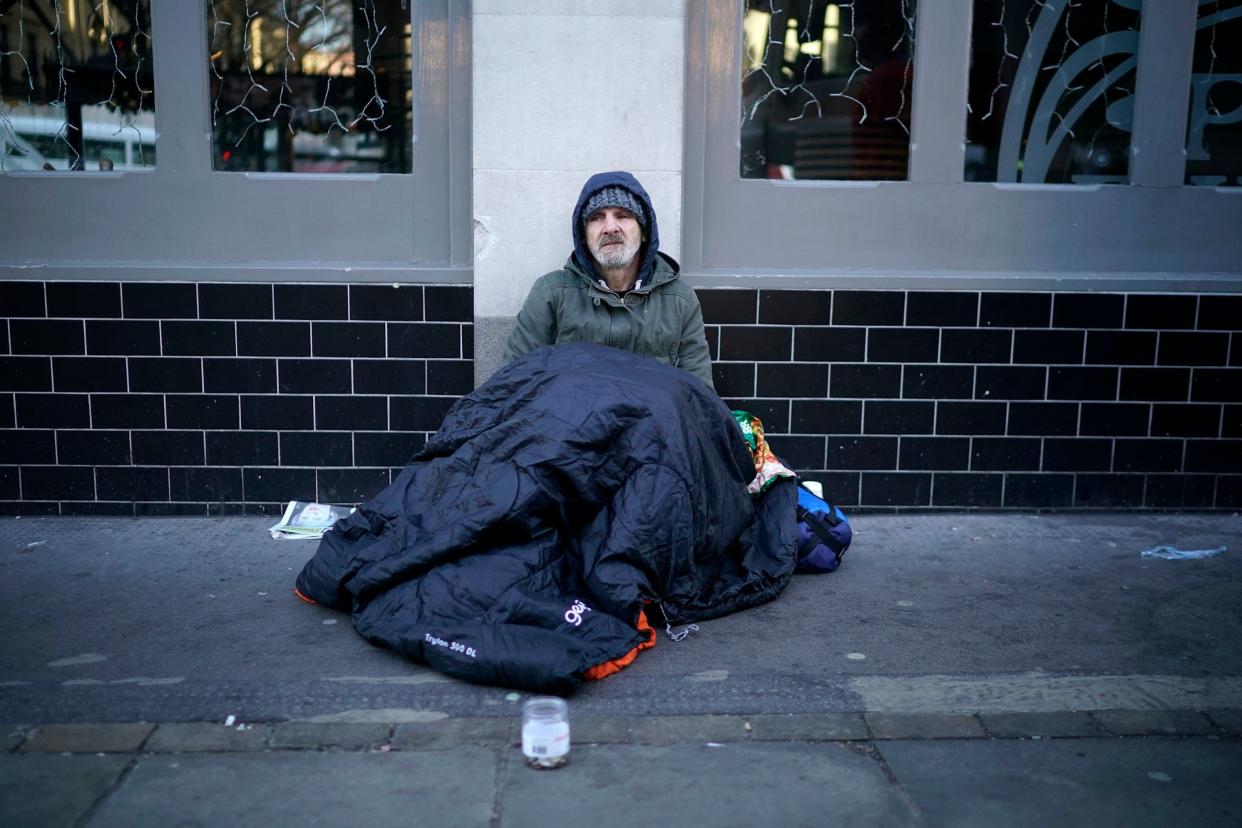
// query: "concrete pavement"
[[959, 669]]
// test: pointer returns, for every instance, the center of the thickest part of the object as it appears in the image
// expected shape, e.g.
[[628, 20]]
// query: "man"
[[617, 288]]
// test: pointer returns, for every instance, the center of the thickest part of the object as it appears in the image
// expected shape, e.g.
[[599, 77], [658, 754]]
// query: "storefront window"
[[76, 85], [310, 86], [827, 89], [1051, 95], [1214, 133]]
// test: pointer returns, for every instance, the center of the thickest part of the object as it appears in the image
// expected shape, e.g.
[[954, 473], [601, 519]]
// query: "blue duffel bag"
[[824, 533]]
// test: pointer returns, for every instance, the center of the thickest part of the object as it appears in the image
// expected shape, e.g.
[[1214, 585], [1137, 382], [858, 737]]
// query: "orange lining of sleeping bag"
[[606, 669], [298, 593]]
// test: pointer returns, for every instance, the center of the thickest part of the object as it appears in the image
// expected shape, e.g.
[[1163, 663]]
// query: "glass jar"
[[545, 732]]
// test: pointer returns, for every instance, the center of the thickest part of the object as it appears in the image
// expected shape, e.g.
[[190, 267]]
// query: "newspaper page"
[[303, 520]]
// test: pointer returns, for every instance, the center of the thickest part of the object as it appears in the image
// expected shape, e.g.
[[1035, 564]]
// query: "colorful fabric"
[[767, 467]]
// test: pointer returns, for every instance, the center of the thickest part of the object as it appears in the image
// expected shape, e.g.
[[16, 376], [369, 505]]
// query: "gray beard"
[[617, 258]]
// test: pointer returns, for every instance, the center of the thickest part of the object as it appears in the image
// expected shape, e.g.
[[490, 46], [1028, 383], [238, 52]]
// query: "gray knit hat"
[[615, 196]]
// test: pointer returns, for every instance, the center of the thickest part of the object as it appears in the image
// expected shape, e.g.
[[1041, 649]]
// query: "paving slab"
[[1228, 719], [681, 730], [323, 735], [808, 727], [46, 789], [924, 726], [450, 733], [1110, 781], [299, 788], [12, 735], [1154, 722], [194, 737], [736, 784], [87, 738], [1025, 725], [600, 730]]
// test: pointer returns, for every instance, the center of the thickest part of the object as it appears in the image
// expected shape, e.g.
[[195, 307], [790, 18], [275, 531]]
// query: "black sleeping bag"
[[576, 487]]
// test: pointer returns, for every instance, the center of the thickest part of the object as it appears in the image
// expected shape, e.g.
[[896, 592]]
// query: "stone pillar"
[[561, 90]]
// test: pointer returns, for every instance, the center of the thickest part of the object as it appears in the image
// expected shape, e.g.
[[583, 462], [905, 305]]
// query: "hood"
[[582, 256]]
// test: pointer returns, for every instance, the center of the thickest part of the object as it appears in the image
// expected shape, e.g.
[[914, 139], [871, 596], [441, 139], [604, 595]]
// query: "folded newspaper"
[[303, 520]]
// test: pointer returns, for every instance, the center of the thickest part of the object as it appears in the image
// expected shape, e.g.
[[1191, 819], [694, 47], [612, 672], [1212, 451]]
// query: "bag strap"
[[816, 525]]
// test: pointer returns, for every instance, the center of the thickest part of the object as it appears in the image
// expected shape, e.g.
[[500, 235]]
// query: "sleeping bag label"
[[574, 614], [456, 647]]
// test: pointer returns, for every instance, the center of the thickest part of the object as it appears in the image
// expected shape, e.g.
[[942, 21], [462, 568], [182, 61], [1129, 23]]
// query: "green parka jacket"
[[659, 318]]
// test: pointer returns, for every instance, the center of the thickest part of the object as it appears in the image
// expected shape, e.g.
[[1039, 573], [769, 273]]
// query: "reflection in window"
[[1051, 91], [827, 89], [302, 86], [76, 85], [1214, 132]]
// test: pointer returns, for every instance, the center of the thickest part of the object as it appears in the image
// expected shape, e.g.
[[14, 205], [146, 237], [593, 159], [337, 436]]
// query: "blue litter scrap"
[[1172, 553]]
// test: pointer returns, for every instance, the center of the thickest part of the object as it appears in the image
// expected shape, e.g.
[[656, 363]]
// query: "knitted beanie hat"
[[615, 196]]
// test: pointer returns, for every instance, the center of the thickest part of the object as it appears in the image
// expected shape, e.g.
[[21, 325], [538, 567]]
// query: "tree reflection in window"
[[76, 85], [1051, 96], [827, 89], [1214, 132], [301, 86]]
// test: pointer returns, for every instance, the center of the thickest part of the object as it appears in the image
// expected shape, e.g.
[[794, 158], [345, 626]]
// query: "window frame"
[[184, 221], [1159, 234]]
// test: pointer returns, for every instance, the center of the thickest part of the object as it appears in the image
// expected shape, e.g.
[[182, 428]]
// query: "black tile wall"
[[165, 374], [449, 377], [903, 344], [351, 413], [791, 379], [127, 411], [830, 344], [349, 485], [83, 299], [346, 339], [312, 301], [23, 299], [240, 376], [273, 339], [720, 307], [159, 300], [1161, 312], [1088, 310], [242, 448], [945, 382], [449, 304], [168, 448], [213, 398], [316, 448], [869, 307], [1015, 310], [92, 448], [795, 307], [414, 339], [198, 338], [289, 413], [47, 336], [418, 413], [386, 448], [386, 302], [1220, 313], [89, 374], [234, 301], [123, 337], [25, 374], [942, 310], [215, 411], [315, 376], [390, 376]]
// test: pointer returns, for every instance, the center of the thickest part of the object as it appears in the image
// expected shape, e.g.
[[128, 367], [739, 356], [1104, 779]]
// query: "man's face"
[[613, 236]]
